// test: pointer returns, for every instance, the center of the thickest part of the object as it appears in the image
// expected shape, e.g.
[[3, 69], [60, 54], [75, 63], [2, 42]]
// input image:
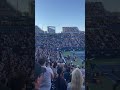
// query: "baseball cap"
[[38, 70]]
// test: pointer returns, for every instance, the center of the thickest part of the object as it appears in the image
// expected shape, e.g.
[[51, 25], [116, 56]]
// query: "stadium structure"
[[70, 30], [51, 29], [102, 47], [101, 29], [72, 41], [16, 33]]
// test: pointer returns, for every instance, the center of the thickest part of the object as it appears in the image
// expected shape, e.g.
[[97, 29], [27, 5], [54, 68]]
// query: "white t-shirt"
[[46, 83]]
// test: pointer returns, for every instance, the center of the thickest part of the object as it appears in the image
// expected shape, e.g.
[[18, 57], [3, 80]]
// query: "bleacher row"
[[102, 43], [112, 72], [61, 41]]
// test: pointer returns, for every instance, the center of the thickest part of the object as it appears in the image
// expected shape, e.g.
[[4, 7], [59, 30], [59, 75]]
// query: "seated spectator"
[[47, 76], [76, 81], [60, 82]]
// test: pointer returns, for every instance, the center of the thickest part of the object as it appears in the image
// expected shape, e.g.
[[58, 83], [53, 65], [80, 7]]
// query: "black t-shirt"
[[60, 84], [67, 76]]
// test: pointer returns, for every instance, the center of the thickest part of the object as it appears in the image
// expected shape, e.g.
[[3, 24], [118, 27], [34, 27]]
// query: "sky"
[[60, 13]]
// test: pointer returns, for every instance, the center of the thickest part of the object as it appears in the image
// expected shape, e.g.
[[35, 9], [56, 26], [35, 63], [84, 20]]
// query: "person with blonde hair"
[[76, 80]]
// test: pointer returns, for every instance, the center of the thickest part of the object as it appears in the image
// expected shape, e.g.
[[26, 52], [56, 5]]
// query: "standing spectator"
[[49, 68], [67, 75], [55, 69], [39, 71], [77, 81], [60, 82], [46, 82]]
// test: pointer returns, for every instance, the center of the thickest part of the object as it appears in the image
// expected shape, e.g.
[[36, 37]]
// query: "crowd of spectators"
[[102, 42], [50, 45], [60, 76], [50, 54], [61, 41], [16, 54]]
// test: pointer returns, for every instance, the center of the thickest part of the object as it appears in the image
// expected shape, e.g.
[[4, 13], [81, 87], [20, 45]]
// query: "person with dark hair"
[[51, 64], [39, 71], [47, 76], [55, 69], [67, 75], [60, 82], [42, 61]]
